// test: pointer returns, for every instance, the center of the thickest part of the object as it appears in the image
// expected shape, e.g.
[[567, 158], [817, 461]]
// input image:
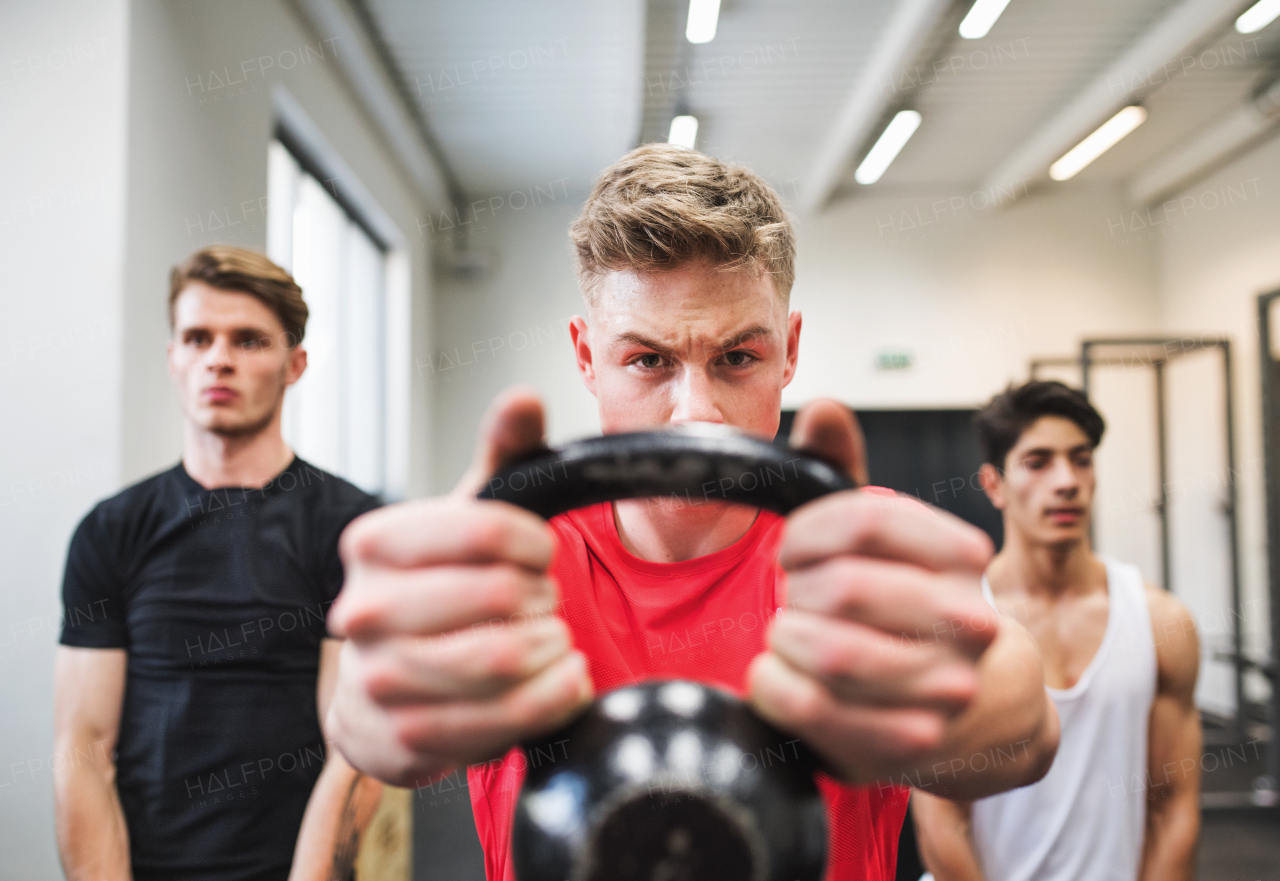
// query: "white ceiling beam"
[[895, 50], [374, 85], [1203, 153], [1128, 77]]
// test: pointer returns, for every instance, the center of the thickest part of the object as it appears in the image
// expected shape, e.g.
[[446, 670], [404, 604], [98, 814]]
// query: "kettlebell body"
[[669, 781]]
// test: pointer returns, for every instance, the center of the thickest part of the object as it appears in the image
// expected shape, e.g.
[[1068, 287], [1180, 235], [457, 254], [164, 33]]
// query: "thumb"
[[512, 428], [827, 429]]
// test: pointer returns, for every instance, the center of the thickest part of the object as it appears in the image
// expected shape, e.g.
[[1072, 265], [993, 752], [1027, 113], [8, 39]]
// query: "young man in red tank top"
[[881, 654]]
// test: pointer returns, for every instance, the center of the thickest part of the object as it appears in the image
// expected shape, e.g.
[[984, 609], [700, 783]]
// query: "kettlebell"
[[668, 780]]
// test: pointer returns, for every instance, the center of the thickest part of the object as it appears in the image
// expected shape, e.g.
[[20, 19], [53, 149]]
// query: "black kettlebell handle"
[[693, 463]]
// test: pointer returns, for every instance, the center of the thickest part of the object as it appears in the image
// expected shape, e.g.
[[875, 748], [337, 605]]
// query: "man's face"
[[229, 361], [1046, 491], [693, 344]]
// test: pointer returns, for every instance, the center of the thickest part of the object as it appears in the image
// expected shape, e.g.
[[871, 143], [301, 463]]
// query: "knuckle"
[[379, 680], [805, 707], [358, 540], [850, 586], [957, 689], [486, 532], [358, 613], [501, 592], [923, 738], [505, 660], [861, 523], [983, 548], [840, 659], [525, 711], [413, 730], [830, 661]]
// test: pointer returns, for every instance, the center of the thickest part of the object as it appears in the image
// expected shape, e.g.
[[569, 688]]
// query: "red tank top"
[[702, 619]]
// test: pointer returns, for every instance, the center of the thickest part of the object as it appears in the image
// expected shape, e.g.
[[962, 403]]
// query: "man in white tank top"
[[1120, 658]]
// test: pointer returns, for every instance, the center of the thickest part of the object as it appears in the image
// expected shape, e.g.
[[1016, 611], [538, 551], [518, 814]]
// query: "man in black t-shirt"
[[195, 666]]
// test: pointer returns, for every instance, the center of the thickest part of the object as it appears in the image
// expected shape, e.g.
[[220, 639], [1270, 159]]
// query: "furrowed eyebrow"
[[637, 340], [757, 331]]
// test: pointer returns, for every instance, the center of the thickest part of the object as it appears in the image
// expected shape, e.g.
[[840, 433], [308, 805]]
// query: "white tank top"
[[1085, 820]]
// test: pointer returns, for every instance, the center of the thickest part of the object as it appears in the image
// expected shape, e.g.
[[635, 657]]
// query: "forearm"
[[340, 807], [93, 840], [944, 833], [1009, 734], [952, 860], [1169, 852]]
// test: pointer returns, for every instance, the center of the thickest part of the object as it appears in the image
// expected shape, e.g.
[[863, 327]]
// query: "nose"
[[1065, 480], [695, 399], [218, 356]]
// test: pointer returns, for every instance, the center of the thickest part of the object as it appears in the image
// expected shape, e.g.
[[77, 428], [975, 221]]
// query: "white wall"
[[972, 293], [62, 146], [200, 120], [507, 325], [1218, 250], [119, 159]]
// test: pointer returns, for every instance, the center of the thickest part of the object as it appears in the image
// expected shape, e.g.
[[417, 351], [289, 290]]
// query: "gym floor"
[[1236, 843], [1240, 844]]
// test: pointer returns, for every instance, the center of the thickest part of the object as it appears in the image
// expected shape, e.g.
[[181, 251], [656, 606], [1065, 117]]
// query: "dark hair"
[[1001, 422], [229, 268]]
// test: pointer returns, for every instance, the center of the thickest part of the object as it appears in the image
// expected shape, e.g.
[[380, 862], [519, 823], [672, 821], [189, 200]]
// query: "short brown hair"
[[661, 206], [229, 268]]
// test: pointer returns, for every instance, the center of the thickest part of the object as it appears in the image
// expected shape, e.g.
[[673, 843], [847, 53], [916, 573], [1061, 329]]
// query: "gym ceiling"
[[519, 94]]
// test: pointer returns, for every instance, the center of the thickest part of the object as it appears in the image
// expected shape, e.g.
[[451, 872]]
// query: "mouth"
[[1065, 516], [219, 394]]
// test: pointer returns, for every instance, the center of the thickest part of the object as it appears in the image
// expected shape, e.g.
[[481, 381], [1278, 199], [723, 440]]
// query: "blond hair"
[[229, 268], [662, 206]]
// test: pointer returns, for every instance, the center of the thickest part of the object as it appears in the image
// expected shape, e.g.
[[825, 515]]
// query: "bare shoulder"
[[1177, 643]]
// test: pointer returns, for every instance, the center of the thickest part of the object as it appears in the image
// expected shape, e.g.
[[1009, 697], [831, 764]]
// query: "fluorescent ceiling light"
[[1106, 137], [702, 21], [684, 131], [982, 15], [1255, 18], [892, 140]]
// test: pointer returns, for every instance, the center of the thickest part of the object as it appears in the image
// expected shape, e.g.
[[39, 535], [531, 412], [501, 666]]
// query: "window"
[[335, 416]]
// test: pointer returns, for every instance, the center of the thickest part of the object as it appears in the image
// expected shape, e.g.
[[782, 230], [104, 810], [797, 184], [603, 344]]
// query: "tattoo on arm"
[[346, 840]]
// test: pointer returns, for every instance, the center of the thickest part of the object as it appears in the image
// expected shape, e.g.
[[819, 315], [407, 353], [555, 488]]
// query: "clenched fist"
[[454, 652], [887, 659]]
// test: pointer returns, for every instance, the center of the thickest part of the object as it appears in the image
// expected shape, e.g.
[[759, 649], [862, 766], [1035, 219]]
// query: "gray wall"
[[62, 144]]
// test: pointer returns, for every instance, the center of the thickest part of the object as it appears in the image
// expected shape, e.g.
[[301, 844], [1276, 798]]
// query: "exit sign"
[[893, 360]]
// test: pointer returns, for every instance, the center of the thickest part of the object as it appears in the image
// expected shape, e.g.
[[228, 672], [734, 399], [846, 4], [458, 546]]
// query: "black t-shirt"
[[219, 597]]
